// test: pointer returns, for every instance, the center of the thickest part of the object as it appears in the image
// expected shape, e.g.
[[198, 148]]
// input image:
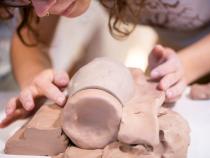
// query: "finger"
[[27, 100], [17, 114], [169, 66], [158, 51], [169, 80], [156, 56], [176, 91], [172, 100], [61, 79], [11, 106], [52, 92]]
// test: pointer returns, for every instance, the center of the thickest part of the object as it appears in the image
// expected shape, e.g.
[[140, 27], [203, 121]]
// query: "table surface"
[[197, 113]]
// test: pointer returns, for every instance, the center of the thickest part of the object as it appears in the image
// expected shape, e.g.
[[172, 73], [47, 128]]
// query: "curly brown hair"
[[124, 15]]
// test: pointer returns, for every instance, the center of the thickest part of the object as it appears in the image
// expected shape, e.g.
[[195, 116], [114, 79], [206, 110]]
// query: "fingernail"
[[29, 106], [64, 81], [61, 100], [155, 74], [169, 94]]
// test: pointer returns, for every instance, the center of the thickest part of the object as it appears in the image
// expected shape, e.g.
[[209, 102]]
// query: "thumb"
[[158, 51], [156, 57], [61, 79]]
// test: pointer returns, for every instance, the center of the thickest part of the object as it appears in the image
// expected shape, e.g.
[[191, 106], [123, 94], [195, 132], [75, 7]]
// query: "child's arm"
[[32, 70]]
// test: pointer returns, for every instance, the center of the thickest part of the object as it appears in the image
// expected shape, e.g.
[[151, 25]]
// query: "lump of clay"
[[120, 150], [174, 134], [74, 152], [92, 118], [174, 140], [139, 124], [200, 92], [42, 135], [105, 74], [92, 115]]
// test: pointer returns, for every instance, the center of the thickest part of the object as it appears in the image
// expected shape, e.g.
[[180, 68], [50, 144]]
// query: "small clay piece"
[[91, 118], [98, 91], [74, 152], [200, 92], [120, 150], [42, 135], [139, 124], [174, 134]]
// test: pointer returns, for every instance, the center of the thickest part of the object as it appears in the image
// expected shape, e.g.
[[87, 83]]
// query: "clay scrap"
[[42, 135], [200, 91], [139, 124], [74, 152]]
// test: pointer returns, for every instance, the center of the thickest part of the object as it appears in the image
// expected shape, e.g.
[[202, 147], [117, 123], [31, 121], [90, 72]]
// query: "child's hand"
[[166, 67], [48, 84]]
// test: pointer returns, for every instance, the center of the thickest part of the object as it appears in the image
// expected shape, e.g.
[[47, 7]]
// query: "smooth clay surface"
[[91, 118], [42, 135]]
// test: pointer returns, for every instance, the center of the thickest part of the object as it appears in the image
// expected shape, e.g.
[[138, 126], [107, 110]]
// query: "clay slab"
[[42, 135]]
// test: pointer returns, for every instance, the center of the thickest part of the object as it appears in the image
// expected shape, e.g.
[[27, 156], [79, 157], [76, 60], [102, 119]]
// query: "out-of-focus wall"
[[89, 34]]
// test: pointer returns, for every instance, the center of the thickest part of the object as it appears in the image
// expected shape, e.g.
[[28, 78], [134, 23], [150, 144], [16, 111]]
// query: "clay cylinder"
[[105, 74], [92, 115]]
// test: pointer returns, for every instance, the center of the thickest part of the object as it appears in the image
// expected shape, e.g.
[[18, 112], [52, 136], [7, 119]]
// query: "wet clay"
[[42, 135]]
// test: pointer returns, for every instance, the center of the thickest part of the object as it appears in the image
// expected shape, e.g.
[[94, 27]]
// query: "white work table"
[[197, 113]]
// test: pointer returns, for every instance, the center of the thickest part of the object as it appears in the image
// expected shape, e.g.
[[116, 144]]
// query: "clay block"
[[74, 152], [42, 135], [174, 134], [91, 118], [139, 124], [119, 150], [200, 92]]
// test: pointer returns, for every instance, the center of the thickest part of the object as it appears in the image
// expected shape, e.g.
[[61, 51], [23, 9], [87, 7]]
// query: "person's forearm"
[[196, 59], [27, 62]]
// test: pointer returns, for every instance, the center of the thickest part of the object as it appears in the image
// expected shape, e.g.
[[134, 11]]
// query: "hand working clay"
[[42, 135], [92, 115], [112, 105], [200, 92]]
